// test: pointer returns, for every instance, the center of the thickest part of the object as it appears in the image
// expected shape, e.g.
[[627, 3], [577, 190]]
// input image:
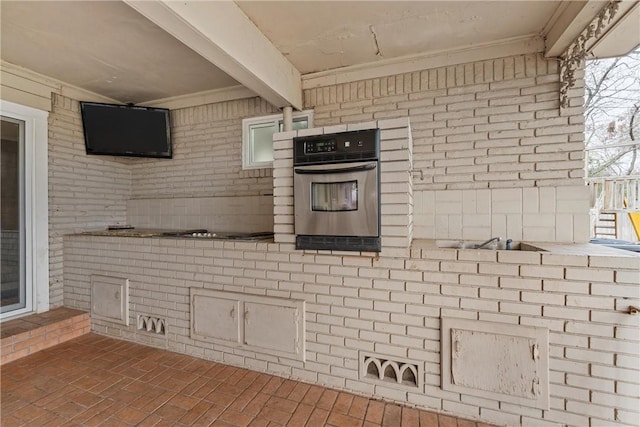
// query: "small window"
[[257, 137]]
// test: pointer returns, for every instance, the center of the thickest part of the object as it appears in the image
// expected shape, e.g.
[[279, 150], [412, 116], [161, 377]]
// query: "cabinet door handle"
[[360, 168], [232, 312]]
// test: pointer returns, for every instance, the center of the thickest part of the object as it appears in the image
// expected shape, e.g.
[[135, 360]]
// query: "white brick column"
[[283, 187], [396, 190]]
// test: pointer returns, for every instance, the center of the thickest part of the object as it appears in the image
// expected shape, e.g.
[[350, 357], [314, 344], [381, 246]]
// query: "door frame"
[[36, 206]]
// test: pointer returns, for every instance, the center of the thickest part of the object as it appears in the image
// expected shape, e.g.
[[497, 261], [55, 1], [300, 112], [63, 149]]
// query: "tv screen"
[[122, 130]]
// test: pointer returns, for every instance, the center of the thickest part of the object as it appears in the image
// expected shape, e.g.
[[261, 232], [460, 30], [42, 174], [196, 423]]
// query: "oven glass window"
[[334, 196]]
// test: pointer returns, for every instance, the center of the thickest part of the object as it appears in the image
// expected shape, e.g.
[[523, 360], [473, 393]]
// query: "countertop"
[[585, 249], [135, 232], [130, 232], [195, 234]]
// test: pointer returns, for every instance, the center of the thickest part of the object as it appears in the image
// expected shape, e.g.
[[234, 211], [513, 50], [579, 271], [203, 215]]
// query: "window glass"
[[257, 137], [262, 137], [300, 123], [12, 238], [334, 196]]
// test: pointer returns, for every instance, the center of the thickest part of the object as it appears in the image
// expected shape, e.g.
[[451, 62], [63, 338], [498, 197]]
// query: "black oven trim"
[[342, 243], [331, 149]]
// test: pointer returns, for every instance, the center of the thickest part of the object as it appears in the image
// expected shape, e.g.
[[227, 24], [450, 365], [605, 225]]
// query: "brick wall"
[[232, 213], [536, 214], [84, 191], [489, 124], [207, 155], [392, 306], [88, 192], [493, 153]]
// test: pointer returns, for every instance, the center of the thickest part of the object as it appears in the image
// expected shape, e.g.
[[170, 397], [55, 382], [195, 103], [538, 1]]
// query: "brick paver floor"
[[98, 381]]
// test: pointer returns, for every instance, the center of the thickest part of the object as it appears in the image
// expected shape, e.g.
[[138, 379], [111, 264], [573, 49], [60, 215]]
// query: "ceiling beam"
[[232, 93], [573, 18], [221, 33]]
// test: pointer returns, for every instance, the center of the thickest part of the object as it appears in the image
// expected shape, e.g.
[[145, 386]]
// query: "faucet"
[[482, 245]]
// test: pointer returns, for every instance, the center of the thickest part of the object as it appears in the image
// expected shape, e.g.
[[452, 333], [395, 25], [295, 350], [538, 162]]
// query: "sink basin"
[[472, 244]]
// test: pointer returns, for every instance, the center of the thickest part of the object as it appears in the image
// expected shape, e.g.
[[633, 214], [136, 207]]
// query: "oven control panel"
[[322, 146], [344, 146]]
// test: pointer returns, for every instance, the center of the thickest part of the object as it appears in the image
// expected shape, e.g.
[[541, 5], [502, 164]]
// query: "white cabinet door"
[[273, 327], [258, 323], [215, 316]]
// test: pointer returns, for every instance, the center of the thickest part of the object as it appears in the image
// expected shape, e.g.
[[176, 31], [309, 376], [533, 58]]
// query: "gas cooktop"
[[225, 235], [129, 231]]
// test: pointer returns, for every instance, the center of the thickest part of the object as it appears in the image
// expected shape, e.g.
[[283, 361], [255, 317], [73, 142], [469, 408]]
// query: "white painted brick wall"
[[393, 306], [88, 192], [231, 213], [207, 155], [84, 191], [531, 214], [495, 136], [505, 108]]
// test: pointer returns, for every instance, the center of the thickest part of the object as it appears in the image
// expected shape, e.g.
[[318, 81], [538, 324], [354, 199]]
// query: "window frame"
[[36, 205], [272, 120]]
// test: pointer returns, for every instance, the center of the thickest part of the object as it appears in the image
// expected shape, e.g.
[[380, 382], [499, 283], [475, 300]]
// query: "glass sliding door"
[[13, 290]]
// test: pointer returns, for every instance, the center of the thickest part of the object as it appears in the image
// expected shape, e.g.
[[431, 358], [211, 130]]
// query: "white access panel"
[[110, 299], [214, 316], [505, 362]]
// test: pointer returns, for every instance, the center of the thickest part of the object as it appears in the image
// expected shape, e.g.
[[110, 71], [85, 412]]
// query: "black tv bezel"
[[164, 155]]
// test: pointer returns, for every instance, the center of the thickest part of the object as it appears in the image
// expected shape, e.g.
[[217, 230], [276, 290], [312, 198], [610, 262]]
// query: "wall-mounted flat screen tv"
[[123, 130]]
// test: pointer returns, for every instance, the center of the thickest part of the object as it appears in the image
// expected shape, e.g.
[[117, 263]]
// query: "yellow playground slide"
[[635, 220]]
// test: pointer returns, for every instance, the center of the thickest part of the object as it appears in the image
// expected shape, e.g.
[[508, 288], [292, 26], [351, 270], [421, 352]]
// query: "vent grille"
[[381, 369], [151, 324]]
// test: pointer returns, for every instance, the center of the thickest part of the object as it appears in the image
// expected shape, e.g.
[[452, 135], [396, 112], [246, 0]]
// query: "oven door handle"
[[367, 167]]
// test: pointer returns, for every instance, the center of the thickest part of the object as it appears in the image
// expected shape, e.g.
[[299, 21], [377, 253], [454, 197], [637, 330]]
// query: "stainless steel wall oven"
[[336, 184]]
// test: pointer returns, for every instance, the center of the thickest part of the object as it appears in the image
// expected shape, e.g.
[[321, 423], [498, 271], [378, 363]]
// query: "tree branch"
[[632, 164]]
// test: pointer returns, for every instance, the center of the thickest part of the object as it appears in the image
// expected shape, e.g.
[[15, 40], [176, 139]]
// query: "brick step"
[[27, 335]]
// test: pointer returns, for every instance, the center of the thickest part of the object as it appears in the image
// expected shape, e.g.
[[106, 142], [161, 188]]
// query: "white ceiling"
[[113, 50], [105, 47], [321, 35]]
